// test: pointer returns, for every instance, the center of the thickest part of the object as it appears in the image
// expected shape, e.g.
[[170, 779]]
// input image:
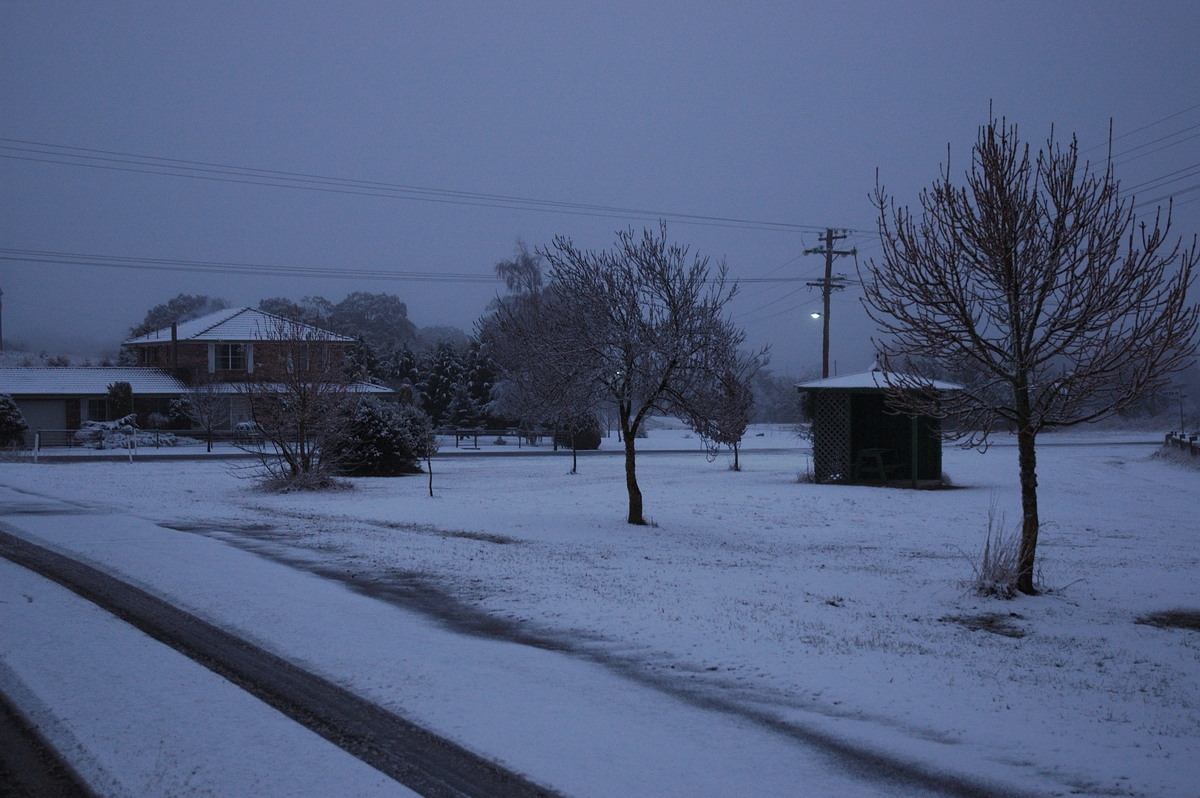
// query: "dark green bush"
[[12, 423], [586, 432], [384, 439]]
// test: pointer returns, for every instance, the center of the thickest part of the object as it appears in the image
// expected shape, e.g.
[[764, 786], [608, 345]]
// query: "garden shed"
[[858, 439]]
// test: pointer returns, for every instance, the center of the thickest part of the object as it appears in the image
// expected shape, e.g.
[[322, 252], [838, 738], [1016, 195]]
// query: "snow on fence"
[[110, 438], [468, 438]]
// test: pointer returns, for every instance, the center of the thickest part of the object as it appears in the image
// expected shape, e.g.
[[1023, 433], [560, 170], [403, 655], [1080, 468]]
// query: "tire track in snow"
[[29, 766], [414, 756]]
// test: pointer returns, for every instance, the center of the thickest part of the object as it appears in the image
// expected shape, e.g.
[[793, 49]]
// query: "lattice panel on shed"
[[831, 436]]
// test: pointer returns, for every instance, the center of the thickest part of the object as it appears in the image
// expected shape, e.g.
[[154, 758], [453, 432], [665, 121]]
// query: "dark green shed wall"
[[873, 426]]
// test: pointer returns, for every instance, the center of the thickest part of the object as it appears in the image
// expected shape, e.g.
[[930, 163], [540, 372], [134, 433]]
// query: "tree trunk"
[[736, 465], [1027, 459], [635, 493]]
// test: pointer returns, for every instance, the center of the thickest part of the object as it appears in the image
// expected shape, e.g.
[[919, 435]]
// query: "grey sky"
[[770, 112]]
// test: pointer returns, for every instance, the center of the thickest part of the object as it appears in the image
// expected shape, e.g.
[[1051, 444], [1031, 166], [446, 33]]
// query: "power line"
[[750, 313], [65, 155], [1183, 174], [1172, 195], [267, 270], [1158, 149], [791, 309], [1157, 140], [225, 267], [1155, 123]]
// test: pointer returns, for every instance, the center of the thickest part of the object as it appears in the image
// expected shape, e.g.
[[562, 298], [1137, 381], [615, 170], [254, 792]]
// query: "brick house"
[[62, 398], [233, 345], [226, 349]]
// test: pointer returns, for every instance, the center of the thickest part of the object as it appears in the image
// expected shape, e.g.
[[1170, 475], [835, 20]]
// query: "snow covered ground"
[[759, 626]]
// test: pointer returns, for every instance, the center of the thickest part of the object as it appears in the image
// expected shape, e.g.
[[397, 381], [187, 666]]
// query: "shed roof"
[[85, 380], [236, 324], [874, 379]]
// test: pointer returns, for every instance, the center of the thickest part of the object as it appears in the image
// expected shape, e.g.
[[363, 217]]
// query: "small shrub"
[[12, 424], [995, 571], [303, 481], [586, 432]]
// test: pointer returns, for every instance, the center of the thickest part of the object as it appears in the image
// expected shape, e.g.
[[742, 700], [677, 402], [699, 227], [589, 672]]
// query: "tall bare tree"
[[542, 384], [300, 397], [632, 327], [1035, 278]]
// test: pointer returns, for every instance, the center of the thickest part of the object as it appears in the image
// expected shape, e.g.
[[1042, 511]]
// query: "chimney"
[[174, 345]]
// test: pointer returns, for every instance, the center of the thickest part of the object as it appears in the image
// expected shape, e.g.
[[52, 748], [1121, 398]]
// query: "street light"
[[815, 314]]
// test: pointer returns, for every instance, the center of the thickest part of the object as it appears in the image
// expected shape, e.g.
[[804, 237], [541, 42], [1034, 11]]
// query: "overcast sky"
[[771, 113]]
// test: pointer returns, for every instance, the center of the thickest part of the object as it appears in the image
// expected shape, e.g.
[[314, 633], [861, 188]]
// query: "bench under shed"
[[858, 439]]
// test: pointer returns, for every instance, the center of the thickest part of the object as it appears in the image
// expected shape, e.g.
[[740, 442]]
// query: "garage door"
[[43, 414]]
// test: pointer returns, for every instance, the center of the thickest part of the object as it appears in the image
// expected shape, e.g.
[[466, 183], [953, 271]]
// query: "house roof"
[[85, 380], [875, 379], [236, 324], [94, 381]]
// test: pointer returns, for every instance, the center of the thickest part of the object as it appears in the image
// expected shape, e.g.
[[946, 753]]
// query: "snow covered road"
[[406, 753], [137, 718], [764, 636]]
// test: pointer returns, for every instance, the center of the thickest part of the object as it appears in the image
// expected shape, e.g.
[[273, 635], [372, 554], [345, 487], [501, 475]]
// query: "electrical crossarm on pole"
[[828, 285]]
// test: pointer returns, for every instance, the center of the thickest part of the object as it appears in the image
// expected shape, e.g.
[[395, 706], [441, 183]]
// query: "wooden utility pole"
[[828, 286]]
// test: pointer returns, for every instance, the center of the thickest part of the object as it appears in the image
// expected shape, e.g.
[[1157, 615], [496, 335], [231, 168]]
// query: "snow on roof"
[[351, 387], [84, 380], [235, 324], [94, 380], [874, 378]]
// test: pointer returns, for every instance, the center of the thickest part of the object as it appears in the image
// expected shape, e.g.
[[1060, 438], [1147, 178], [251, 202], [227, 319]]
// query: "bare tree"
[[632, 327], [299, 398], [723, 403], [1035, 278], [206, 404], [540, 386]]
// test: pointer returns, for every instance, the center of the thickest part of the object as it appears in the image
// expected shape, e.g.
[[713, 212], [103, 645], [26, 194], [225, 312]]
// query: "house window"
[[97, 410], [231, 357], [307, 357]]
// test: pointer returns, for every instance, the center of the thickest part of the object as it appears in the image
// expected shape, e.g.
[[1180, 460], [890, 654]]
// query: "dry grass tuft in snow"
[[995, 572]]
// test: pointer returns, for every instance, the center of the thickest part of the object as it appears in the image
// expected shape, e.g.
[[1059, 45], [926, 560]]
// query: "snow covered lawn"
[[813, 610]]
